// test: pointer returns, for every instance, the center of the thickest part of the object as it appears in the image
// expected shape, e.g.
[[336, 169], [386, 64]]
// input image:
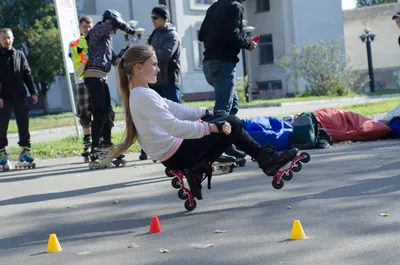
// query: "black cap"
[[396, 15], [161, 11]]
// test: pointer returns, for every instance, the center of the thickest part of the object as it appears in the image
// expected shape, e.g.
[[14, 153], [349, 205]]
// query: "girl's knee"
[[235, 122]]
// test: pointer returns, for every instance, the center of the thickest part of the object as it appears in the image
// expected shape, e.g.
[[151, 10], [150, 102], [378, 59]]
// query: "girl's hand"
[[227, 128]]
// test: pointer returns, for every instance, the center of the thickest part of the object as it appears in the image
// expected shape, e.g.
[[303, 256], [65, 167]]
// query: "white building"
[[385, 48], [280, 23]]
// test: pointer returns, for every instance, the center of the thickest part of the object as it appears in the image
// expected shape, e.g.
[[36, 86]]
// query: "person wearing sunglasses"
[[167, 45]]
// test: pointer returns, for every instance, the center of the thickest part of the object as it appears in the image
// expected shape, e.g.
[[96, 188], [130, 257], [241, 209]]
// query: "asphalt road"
[[338, 197]]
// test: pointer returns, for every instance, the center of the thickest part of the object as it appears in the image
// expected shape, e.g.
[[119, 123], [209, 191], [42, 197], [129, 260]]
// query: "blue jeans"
[[221, 76], [170, 92]]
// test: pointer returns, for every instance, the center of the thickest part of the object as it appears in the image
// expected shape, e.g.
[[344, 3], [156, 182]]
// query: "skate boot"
[[143, 155], [225, 163], [270, 160], [86, 150], [272, 163], [5, 164], [117, 161], [24, 159], [239, 155], [99, 159]]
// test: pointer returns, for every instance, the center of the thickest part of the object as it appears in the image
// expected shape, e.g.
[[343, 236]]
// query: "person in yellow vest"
[[79, 55]]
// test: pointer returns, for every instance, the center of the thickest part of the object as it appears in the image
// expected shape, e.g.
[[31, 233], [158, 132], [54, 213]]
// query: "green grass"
[[72, 146], [67, 147], [374, 108], [38, 122]]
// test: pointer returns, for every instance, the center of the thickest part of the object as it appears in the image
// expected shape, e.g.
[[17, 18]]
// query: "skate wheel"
[[86, 160], [190, 207], [306, 158], [169, 173], [176, 183], [297, 167], [279, 185], [287, 176], [33, 165], [226, 169], [182, 194], [242, 162]]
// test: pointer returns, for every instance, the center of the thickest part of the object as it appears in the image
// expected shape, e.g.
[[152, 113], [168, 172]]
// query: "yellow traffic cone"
[[297, 231], [53, 245]]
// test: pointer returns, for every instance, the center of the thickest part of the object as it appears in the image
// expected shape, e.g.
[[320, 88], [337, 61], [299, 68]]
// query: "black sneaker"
[[143, 155], [224, 158], [270, 160], [232, 151]]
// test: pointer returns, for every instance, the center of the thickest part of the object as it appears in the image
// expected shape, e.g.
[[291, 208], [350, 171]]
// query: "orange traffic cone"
[[53, 245], [155, 226]]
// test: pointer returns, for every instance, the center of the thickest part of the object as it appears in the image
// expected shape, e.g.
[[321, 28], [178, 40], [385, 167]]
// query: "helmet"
[[110, 13], [133, 23]]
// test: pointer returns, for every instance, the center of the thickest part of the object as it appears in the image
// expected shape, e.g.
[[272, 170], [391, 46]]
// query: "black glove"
[[219, 125]]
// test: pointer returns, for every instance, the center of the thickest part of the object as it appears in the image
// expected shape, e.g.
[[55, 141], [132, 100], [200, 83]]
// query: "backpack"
[[308, 133]]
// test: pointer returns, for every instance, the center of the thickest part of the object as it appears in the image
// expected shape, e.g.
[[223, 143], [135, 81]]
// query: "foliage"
[[34, 24], [361, 3], [241, 83], [323, 68]]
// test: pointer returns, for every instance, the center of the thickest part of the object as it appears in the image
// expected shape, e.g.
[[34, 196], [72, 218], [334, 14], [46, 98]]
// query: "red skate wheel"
[[176, 183], [287, 176]]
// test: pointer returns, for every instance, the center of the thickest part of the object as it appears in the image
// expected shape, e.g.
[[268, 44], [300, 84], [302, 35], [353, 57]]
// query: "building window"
[[204, 2], [200, 4], [262, 5], [266, 49], [269, 85]]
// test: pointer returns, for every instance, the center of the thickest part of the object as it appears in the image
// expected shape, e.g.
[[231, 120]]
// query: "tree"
[[361, 3], [34, 24], [322, 66]]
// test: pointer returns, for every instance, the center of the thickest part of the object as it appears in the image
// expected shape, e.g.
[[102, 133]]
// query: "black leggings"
[[20, 108], [101, 109], [212, 146]]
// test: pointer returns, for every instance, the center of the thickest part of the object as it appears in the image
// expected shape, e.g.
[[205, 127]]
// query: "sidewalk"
[[285, 108]]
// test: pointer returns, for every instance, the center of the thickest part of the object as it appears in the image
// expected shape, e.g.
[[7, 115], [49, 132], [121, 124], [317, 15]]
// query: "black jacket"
[[101, 55], [222, 31], [167, 44], [14, 72]]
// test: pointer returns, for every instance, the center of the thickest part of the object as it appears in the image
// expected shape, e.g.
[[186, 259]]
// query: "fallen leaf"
[[383, 214], [71, 207], [116, 202], [202, 245], [289, 207], [222, 231], [163, 250], [133, 246]]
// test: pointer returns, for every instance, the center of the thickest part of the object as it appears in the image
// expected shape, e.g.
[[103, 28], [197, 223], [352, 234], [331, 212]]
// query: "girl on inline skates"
[[164, 129]]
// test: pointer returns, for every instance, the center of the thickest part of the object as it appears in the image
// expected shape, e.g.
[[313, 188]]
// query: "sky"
[[348, 4]]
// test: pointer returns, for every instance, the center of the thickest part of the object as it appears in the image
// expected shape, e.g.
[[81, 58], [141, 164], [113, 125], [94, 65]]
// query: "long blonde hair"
[[132, 56]]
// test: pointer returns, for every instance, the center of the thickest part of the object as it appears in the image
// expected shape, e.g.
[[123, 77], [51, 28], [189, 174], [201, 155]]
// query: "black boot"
[[224, 158], [143, 155], [196, 175], [270, 160], [232, 151]]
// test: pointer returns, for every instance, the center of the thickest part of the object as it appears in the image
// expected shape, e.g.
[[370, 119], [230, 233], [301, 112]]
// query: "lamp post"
[[247, 30], [368, 37]]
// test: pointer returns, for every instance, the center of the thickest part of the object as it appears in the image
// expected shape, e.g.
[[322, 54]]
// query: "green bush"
[[323, 67]]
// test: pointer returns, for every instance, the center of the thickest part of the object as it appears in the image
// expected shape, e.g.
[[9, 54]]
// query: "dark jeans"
[[100, 100], [221, 76], [210, 147], [20, 108], [170, 92]]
